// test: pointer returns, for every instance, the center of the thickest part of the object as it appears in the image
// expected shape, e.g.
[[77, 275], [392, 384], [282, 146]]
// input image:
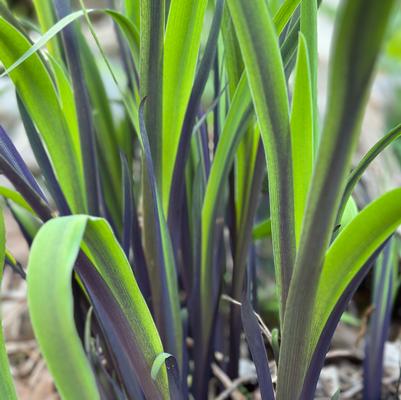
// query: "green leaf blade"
[[355, 50], [40, 99], [259, 45], [49, 288], [51, 308], [301, 134], [181, 47], [349, 252]]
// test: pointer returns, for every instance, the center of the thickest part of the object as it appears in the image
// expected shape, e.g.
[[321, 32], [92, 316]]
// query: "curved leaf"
[[356, 47], [51, 308], [234, 127], [36, 90], [350, 251], [52, 259], [15, 197], [367, 159]]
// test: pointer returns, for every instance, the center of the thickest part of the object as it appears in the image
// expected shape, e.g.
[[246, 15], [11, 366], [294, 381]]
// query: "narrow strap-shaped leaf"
[[284, 13], [130, 65], [127, 355], [10, 153], [44, 39], [256, 345], [190, 116], [34, 200], [16, 197], [367, 159], [151, 75], [259, 45], [43, 160], [126, 27], [94, 80], [109, 140], [51, 309], [181, 47], [350, 250], [308, 27], [127, 206], [139, 260], [379, 324], [162, 271], [46, 17], [14, 265], [234, 127], [28, 223], [246, 208], [132, 319], [106, 133], [40, 99], [233, 59], [301, 133], [132, 11], [83, 107], [354, 53], [346, 263], [323, 344], [7, 389], [165, 266]]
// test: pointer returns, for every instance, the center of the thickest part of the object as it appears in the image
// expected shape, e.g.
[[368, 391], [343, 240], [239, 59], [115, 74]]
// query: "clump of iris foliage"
[[143, 222]]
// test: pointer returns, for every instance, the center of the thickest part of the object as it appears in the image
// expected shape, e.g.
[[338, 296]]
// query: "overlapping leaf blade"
[[259, 45], [379, 325], [181, 47], [51, 309], [352, 64], [40, 99], [301, 133], [111, 264], [349, 252]]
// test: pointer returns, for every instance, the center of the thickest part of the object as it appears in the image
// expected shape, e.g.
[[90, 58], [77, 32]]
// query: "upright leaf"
[[256, 344], [259, 45], [379, 324], [181, 47], [45, 13], [301, 133], [308, 27], [151, 74], [355, 49], [161, 264], [83, 108]]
